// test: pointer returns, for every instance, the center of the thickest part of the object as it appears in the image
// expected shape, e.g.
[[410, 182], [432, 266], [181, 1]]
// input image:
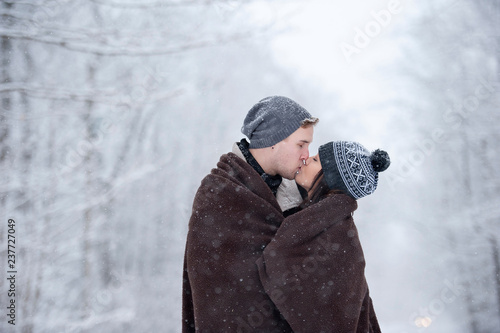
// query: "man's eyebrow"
[[305, 141]]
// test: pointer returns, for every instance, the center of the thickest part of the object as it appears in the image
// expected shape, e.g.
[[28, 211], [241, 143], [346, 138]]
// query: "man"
[[236, 212]]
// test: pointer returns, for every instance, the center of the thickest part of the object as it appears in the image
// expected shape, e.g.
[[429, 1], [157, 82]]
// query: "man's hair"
[[308, 122]]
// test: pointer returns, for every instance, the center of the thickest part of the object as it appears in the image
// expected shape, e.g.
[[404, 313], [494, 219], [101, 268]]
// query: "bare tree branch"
[[109, 97], [104, 49], [153, 4]]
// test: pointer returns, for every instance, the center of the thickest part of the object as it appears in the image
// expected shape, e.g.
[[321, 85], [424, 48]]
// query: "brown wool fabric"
[[248, 269], [235, 215], [313, 269]]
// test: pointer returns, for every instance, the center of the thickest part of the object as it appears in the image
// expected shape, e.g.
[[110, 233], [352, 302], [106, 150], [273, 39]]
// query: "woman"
[[313, 269]]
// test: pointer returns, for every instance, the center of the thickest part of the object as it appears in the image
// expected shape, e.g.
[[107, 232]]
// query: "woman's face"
[[305, 176]]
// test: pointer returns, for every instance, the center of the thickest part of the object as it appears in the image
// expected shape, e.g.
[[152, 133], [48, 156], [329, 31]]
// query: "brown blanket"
[[235, 216], [313, 270]]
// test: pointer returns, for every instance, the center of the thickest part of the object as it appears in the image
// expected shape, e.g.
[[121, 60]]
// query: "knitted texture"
[[348, 166], [272, 120]]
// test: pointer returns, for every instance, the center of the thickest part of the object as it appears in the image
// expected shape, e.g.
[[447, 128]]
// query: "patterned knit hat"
[[273, 119], [350, 167]]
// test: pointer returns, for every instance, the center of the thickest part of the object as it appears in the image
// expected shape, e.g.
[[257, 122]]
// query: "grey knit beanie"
[[271, 120], [350, 167]]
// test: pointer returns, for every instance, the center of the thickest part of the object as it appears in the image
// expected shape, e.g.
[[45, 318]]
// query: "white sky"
[[317, 30], [310, 46]]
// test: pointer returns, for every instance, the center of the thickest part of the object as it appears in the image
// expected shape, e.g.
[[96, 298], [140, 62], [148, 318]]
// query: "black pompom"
[[380, 160]]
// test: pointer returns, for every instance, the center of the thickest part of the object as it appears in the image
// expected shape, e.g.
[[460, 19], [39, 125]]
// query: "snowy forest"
[[112, 111]]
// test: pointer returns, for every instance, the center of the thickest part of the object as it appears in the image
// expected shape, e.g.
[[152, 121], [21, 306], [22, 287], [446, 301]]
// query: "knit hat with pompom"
[[350, 167]]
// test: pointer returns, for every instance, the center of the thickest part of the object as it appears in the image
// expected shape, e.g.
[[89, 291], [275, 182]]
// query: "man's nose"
[[305, 156]]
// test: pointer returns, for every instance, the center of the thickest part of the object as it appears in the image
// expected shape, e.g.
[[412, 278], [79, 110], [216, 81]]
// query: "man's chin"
[[290, 177]]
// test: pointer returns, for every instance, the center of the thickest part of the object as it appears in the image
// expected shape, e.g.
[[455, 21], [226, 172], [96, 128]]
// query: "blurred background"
[[113, 111]]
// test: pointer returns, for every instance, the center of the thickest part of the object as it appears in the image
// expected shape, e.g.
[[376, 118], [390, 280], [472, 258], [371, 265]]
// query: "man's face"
[[291, 152]]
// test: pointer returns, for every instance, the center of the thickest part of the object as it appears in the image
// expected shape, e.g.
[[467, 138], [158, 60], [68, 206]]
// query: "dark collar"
[[272, 181]]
